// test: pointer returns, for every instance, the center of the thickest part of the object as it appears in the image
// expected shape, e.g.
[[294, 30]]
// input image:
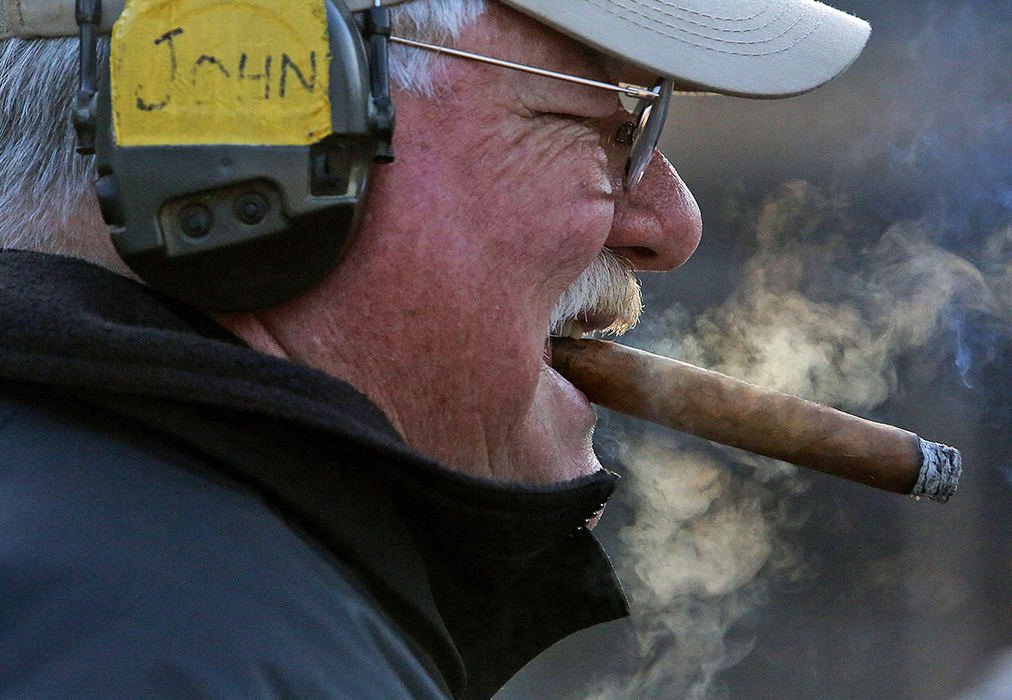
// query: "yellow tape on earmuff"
[[215, 72]]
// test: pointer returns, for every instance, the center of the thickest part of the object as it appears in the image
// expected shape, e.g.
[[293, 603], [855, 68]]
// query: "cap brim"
[[754, 48]]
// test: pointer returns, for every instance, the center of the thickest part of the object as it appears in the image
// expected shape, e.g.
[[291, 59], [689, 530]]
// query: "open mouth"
[[577, 328]]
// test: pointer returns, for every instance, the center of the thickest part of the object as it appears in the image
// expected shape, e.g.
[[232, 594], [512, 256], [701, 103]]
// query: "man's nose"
[[657, 224]]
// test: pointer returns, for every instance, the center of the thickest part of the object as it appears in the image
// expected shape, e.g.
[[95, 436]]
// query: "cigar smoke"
[[816, 316], [813, 314], [697, 558]]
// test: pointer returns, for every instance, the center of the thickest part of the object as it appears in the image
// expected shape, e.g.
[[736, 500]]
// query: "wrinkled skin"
[[500, 196]]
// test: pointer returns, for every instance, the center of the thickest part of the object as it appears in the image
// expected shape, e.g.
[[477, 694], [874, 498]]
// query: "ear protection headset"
[[233, 141]]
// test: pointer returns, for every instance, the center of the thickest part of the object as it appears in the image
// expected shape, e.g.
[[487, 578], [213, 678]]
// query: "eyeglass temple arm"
[[625, 88]]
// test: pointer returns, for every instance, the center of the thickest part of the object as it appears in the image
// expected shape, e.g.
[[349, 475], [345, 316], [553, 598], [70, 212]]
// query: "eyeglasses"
[[641, 133]]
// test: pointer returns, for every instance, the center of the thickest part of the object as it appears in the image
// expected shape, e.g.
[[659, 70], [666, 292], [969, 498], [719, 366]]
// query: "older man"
[[376, 487]]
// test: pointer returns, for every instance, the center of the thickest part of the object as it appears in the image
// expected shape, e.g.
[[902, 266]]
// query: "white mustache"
[[607, 293]]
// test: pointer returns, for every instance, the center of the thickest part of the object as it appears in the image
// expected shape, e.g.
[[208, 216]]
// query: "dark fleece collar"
[[482, 576]]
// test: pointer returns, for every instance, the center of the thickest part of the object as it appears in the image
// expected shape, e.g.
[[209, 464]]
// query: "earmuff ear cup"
[[212, 192]]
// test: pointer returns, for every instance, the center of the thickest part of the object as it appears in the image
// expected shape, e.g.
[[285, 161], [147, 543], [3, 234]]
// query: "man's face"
[[501, 196]]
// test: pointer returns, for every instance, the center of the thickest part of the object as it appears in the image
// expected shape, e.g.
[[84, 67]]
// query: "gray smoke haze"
[[813, 315], [817, 316], [696, 560]]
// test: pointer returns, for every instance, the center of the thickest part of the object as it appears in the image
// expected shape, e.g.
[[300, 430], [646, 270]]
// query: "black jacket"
[[183, 516]]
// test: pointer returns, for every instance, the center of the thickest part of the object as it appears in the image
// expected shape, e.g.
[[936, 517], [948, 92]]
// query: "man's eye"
[[577, 118]]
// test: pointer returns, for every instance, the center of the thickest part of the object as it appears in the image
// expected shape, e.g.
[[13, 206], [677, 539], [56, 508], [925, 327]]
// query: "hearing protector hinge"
[[375, 25], [88, 14]]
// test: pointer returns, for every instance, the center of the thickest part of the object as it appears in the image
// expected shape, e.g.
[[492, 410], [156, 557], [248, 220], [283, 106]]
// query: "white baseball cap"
[[753, 48]]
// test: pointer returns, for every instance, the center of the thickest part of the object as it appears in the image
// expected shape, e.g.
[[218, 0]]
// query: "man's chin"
[[555, 442]]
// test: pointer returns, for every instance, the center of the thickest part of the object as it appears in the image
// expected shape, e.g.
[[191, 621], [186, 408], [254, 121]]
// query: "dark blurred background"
[[857, 249]]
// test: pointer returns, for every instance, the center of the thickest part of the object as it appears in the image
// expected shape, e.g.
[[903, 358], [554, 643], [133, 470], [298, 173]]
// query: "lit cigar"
[[732, 412]]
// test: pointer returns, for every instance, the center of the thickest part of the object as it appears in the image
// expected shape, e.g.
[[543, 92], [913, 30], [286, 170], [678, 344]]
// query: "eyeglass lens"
[[650, 118]]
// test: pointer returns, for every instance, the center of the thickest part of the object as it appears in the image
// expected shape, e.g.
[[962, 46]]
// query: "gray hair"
[[434, 21], [45, 187]]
